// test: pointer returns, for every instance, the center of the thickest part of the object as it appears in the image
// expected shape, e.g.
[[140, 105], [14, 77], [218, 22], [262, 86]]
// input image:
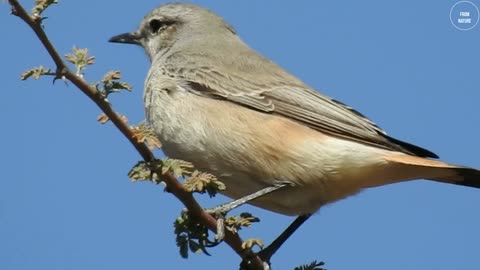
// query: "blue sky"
[[65, 199]]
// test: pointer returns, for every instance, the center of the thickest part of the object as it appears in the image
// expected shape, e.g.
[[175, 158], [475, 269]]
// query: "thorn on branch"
[[60, 75], [13, 11]]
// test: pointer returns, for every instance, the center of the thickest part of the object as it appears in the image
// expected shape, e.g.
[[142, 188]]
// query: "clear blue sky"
[[65, 199]]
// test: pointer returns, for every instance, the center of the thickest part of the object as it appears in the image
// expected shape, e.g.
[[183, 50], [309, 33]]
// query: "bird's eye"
[[157, 25]]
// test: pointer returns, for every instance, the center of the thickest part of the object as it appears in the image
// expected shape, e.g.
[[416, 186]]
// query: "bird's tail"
[[461, 176], [412, 167]]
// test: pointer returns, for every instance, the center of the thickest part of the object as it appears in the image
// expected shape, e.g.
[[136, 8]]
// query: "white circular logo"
[[464, 15]]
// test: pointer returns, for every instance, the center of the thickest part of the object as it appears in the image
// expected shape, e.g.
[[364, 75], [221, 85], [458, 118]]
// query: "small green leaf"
[[36, 73], [177, 167], [203, 182], [103, 118], [182, 243], [111, 76], [142, 172], [41, 6], [249, 243], [80, 59], [235, 223], [111, 84], [145, 134], [120, 86], [148, 170], [194, 247], [312, 266], [191, 235]]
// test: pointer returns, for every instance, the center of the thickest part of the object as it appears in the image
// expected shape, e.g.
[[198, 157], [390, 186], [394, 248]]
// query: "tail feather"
[[462, 176], [436, 170]]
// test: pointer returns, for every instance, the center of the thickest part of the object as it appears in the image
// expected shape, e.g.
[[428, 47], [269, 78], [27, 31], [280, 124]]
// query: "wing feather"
[[257, 83]]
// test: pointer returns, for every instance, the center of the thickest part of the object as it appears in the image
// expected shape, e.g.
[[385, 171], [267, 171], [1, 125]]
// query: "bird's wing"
[[270, 89]]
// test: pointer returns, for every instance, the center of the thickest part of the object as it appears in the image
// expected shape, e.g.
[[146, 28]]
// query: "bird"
[[214, 101]]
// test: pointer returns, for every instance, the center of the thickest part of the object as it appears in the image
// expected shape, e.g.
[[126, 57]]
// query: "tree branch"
[[174, 186]]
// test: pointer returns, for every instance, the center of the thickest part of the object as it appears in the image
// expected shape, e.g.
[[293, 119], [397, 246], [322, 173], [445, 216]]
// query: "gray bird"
[[214, 101]]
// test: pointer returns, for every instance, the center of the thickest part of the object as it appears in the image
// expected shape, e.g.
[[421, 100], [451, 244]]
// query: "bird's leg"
[[227, 207], [220, 211], [267, 253]]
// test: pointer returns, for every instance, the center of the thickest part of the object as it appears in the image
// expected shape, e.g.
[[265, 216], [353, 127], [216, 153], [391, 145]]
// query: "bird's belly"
[[296, 200], [248, 151]]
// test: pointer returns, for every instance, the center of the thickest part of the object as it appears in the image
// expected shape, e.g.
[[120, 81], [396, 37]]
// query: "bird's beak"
[[127, 38]]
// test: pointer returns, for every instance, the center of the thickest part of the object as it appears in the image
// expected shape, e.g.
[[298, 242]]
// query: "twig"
[[174, 186]]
